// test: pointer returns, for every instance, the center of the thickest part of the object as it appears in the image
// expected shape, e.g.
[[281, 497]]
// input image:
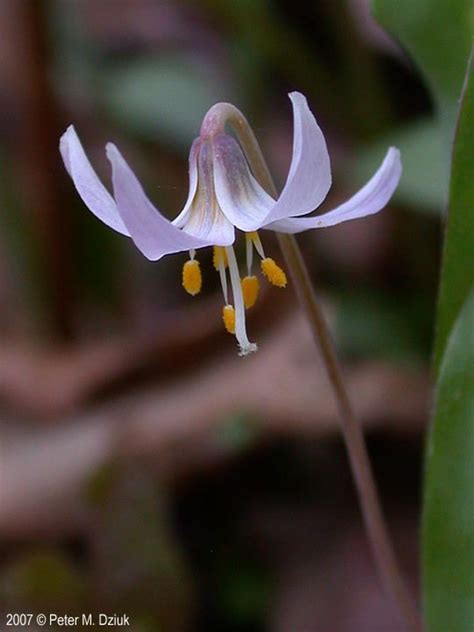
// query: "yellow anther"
[[192, 278], [219, 257], [228, 316], [250, 289], [273, 272]]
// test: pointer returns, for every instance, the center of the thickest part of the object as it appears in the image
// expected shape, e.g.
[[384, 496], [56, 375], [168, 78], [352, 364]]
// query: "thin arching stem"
[[354, 440]]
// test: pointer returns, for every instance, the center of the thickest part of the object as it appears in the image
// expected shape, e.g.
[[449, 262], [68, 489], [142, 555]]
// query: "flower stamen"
[[192, 277], [273, 272], [219, 257], [250, 289], [249, 251], [257, 242], [220, 263], [228, 316]]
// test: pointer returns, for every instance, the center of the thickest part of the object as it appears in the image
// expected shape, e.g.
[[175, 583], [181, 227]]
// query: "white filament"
[[223, 278], [258, 245], [249, 253]]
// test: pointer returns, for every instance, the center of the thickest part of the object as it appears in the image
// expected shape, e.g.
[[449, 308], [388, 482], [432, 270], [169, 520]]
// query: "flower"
[[223, 196]]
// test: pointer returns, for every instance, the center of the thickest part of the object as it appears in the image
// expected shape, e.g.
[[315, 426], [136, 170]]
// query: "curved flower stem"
[[359, 460]]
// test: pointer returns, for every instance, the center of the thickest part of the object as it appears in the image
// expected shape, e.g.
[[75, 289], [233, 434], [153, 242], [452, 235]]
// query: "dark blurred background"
[[146, 469]]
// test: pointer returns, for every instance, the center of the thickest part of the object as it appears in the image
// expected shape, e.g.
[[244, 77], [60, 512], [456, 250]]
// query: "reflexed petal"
[[369, 200], [309, 178], [87, 183], [152, 233], [241, 198], [201, 215]]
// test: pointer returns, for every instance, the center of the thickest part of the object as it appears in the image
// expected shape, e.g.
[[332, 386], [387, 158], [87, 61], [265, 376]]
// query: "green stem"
[[354, 439]]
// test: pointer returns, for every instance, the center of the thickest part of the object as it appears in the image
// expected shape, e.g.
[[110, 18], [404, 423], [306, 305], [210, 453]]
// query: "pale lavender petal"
[[202, 216], [309, 178], [241, 198], [193, 182], [90, 188], [369, 200], [152, 233]]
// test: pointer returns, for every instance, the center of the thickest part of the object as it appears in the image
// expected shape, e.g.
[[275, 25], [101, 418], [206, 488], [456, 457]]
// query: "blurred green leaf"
[[237, 432], [382, 326], [425, 156], [43, 580], [448, 529], [137, 559], [244, 592], [457, 274], [77, 52], [163, 97], [438, 33]]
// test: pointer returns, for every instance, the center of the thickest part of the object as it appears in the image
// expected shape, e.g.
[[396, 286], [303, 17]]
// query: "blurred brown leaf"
[[283, 387]]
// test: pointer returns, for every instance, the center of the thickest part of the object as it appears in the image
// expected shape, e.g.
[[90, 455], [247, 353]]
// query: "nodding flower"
[[224, 196]]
